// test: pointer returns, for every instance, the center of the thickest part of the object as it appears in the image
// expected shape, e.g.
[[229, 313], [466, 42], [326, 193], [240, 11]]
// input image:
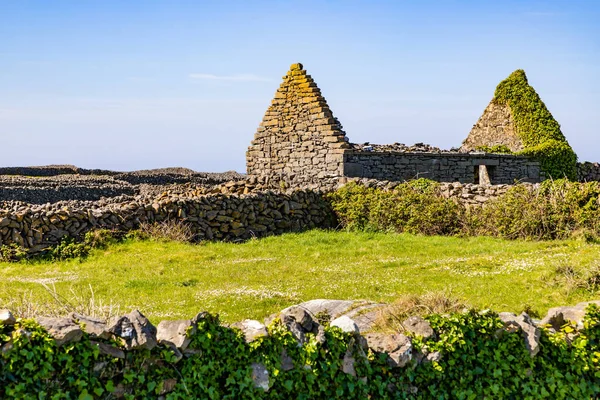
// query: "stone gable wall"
[[495, 127], [299, 141]]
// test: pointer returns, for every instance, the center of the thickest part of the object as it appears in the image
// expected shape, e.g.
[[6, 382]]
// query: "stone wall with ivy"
[[518, 120], [303, 355]]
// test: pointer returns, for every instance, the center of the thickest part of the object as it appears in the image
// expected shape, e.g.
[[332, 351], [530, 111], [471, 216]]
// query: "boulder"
[[287, 363], [530, 332], [418, 326], [7, 318], [346, 324], [135, 331], [252, 329], [177, 333], [260, 376], [109, 350], [94, 327], [348, 363], [302, 316], [397, 346], [62, 330], [333, 308], [299, 322], [558, 316], [363, 313]]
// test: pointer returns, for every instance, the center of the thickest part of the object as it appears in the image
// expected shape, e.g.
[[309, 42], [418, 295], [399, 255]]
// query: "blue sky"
[[148, 84]]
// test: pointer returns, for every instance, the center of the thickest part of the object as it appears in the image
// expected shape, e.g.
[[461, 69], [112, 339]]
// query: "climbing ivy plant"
[[479, 359], [537, 128]]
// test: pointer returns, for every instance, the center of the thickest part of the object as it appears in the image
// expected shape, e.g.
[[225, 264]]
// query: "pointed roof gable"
[[298, 130], [518, 119]]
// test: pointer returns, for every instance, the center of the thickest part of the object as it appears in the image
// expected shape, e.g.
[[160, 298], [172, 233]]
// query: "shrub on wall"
[[556, 210], [496, 149], [415, 207], [537, 128]]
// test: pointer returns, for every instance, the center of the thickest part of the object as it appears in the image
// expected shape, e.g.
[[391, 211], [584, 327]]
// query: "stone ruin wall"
[[299, 141], [442, 167], [300, 144], [495, 127]]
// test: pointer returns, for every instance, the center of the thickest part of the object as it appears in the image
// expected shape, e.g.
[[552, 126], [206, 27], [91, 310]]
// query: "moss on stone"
[[537, 128]]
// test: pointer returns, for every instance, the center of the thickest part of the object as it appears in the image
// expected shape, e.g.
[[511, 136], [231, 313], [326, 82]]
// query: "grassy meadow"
[[170, 280]]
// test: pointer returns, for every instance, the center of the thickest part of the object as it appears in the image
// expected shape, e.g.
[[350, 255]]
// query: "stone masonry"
[[300, 144], [299, 140], [495, 127], [442, 167]]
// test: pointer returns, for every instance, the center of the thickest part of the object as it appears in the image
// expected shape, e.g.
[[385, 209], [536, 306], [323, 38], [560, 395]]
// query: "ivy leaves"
[[536, 127], [479, 360]]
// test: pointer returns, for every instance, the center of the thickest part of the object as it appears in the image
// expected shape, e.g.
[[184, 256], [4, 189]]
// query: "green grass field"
[[169, 280]]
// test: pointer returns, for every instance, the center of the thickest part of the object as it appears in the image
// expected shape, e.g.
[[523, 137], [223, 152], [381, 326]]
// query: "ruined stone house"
[[300, 143]]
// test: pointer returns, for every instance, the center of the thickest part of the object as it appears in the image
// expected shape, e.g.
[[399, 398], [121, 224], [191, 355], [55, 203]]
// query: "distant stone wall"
[[588, 171], [442, 167], [49, 185]]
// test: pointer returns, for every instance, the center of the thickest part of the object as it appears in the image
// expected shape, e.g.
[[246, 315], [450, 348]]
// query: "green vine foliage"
[[537, 128], [496, 149], [479, 359]]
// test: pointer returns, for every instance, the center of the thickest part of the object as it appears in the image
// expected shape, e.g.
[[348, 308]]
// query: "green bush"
[[69, 248], [12, 253], [558, 209], [536, 127], [415, 207], [478, 360]]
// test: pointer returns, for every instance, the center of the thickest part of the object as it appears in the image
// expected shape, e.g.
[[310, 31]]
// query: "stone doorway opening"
[[483, 174]]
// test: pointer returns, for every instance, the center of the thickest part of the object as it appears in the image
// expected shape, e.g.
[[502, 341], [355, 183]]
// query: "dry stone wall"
[[588, 172], [442, 167], [169, 357], [211, 217], [233, 211], [52, 184]]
